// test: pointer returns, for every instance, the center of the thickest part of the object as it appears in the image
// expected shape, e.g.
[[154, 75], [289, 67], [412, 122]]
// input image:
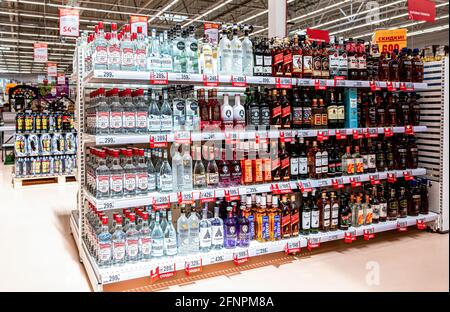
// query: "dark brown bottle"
[[390, 159], [332, 112], [352, 55], [295, 216], [325, 62], [286, 111], [401, 154], [381, 110], [372, 111], [287, 59], [381, 159], [276, 110], [285, 218], [423, 196], [394, 74], [204, 110], [414, 108], [276, 169], [307, 60], [277, 59], [383, 205], [414, 200], [324, 212], [404, 110], [285, 170], [297, 110], [324, 113], [317, 61], [297, 58], [413, 154], [362, 60], [317, 114], [403, 203], [405, 66], [417, 66], [392, 209], [392, 111], [384, 70], [307, 112]]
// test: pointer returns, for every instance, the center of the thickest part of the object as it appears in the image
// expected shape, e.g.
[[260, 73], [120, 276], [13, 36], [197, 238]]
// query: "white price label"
[[217, 259], [183, 77], [40, 52], [69, 22], [106, 140], [262, 251], [108, 205]]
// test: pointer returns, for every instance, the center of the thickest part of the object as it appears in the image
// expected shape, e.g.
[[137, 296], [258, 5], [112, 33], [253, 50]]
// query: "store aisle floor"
[[39, 254]]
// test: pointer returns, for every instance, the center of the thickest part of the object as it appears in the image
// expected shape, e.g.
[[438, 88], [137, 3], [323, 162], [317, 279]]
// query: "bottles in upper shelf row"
[[178, 50], [178, 108], [145, 233], [128, 172]]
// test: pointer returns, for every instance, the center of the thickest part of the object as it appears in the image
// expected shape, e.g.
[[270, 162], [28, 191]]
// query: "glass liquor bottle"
[[392, 206], [128, 50], [214, 110], [230, 230], [286, 111], [163, 220], [315, 214], [199, 170], [226, 114], [212, 170], [307, 60], [381, 158], [297, 58], [258, 60], [247, 52], [179, 52], [165, 175], [179, 110], [114, 57], [375, 205], [353, 69], [236, 52], [308, 117], [177, 167], [104, 244], [236, 169], [317, 61], [192, 111], [294, 160], [417, 66], [424, 200], [217, 230], [348, 163], [332, 112], [344, 213], [306, 214], [361, 59], [324, 212], [132, 240], [277, 58], [415, 200], [102, 177], [157, 239], [205, 232], [224, 53], [412, 154], [238, 113], [284, 163], [151, 174], [116, 176], [247, 162], [254, 117], [99, 48], [276, 165], [405, 66], [285, 216], [333, 57], [141, 173], [334, 214], [191, 50], [359, 162], [141, 50], [295, 215], [403, 203], [367, 210], [394, 74], [287, 58], [383, 205], [154, 114], [325, 62], [183, 232], [268, 58], [340, 112], [358, 212], [194, 231], [244, 237], [145, 238], [204, 110], [297, 110], [317, 114], [118, 243], [414, 109], [302, 160], [224, 171]]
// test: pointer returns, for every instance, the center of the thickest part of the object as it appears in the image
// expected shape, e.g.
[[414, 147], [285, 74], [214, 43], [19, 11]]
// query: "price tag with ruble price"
[[283, 83], [182, 137], [320, 84], [374, 179], [408, 176], [313, 242], [232, 194], [339, 81], [391, 177], [322, 135], [158, 140], [292, 247], [355, 181], [193, 266], [185, 198], [211, 80], [402, 226], [374, 86], [409, 130], [369, 233], [157, 78], [337, 183], [161, 202], [162, 272], [402, 86], [390, 86], [357, 134], [371, 133], [241, 257], [305, 186], [420, 224], [341, 134], [388, 132], [239, 81], [349, 236], [207, 196]]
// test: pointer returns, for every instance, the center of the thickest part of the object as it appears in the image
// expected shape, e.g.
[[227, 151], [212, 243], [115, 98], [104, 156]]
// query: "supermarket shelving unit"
[[100, 78]]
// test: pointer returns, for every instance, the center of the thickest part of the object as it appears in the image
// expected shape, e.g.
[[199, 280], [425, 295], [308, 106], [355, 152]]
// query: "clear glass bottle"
[[170, 237], [230, 230], [247, 52], [177, 167], [224, 53], [212, 170], [217, 230], [141, 111], [179, 52], [129, 176], [244, 229], [191, 52], [194, 239], [145, 238], [132, 240], [118, 242], [238, 113], [104, 244], [166, 114], [128, 50], [179, 110], [116, 176], [187, 168], [157, 239], [183, 232], [154, 115], [114, 57], [102, 175], [205, 239], [199, 170], [226, 114], [151, 173], [129, 112], [141, 50], [141, 174], [237, 53], [100, 49], [165, 175], [192, 111]]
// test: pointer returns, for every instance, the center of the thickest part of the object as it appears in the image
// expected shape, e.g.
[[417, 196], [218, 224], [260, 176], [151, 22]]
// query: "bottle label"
[[268, 61], [332, 112], [352, 62], [146, 246], [132, 247], [303, 165], [315, 219], [115, 120], [297, 116], [113, 55], [103, 184], [259, 60], [118, 251], [166, 123], [307, 115], [276, 111], [307, 64], [267, 170], [154, 123], [251, 222], [157, 247], [359, 165], [105, 252], [343, 61], [101, 55], [318, 162], [127, 57], [142, 181], [102, 120], [317, 119], [324, 121], [130, 182], [278, 58], [217, 235], [151, 182], [375, 211], [129, 121], [334, 61], [265, 227], [141, 120], [340, 112], [199, 180], [165, 183], [371, 161], [306, 220], [369, 216], [350, 163], [360, 214], [116, 183], [335, 211], [294, 166], [362, 64], [297, 64], [287, 59], [286, 111], [212, 178], [285, 163], [141, 58], [275, 163], [324, 159], [205, 237], [326, 215]]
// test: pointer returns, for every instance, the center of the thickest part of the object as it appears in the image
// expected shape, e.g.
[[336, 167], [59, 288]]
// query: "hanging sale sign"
[[318, 35], [212, 31], [389, 40], [61, 79], [69, 22], [136, 21], [422, 10], [40, 52], [52, 69]]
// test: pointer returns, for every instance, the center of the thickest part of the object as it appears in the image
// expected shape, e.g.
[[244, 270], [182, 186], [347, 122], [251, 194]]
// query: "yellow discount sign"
[[389, 40]]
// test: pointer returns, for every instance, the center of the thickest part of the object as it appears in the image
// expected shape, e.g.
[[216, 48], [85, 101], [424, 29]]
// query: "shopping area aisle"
[[40, 255]]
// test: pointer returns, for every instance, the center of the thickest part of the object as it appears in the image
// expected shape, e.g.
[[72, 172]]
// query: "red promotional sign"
[[69, 22], [421, 225], [318, 35], [139, 21], [422, 10]]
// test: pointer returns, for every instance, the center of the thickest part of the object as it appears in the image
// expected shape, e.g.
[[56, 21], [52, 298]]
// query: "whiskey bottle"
[[359, 164], [317, 114], [344, 212], [286, 114], [286, 217], [417, 66], [284, 157], [295, 214], [324, 212], [414, 107], [306, 214], [383, 73], [381, 158], [375, 204], [315, 215], [325, 62], [392, 206], [367, 208], [325, 160], [331, 172], [297, 58], [383, 205], [254, 118], [287, 59], [334, 202], [405, 66], [294, 161], [353, 70], [317, 161], [403, 203], [381, 110], [394, 74], [277, 59], [332, 112], [297, 110], [307, 122], [412, 154], [276, 110], [317, 61], [362, 60], [307, 60], [371, 157], [276, 169], [264, 112], [348, 163], [302, 160], [400, 159], [340, 115]]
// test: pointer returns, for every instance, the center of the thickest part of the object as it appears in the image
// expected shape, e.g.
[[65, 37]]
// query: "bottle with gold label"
[[324, 212], [368, 213], [295, 216], [359, 161], [285, 217]]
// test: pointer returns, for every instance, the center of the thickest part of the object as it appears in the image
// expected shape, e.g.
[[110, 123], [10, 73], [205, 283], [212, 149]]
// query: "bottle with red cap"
[[104, 244], [141, 173], [116, 176], [118, 242], [141, 111], [129, 176], [129, 111], [114, 57], [128, 50], [145, 238], [102, 111], [100, 47], [102, 177], [132, 240], [141, 50], [116, 112]]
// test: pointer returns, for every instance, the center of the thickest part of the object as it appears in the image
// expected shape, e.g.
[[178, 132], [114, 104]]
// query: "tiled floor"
[[39, 254]]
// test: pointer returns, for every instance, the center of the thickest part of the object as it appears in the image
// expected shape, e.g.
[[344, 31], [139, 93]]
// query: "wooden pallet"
[[43, 180]]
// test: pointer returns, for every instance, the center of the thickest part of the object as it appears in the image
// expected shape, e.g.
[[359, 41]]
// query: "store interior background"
[[40, 254]]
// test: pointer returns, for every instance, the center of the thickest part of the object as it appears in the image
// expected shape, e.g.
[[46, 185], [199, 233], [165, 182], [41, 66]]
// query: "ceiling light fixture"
[[207, 13], [163, 10]]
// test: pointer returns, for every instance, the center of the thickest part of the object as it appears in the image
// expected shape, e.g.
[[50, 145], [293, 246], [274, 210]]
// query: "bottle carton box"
[[351, 108]]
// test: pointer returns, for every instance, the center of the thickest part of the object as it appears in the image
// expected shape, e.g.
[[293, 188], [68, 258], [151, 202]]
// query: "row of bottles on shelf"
[[178, 50], [132, 171], [178, 109], [45, 144], [29, 121], [147, 233], [45, 165]]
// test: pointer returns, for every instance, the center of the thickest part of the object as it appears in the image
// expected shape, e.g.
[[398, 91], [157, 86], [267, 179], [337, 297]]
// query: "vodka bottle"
[[145, 238], [100, 49], [132, 240], [102, 111], [129, 112], [179, 111], [166, 54], [192, 112], [212, 171], [129, 176], [166, 114], [141, 51], [179, 52], [141, 111], [104, 244], [118, 242], [230, 230], [163, 220], [114, 57], [226, 114], [193, 223], [236, 49], [154, 115], [153, 61], [165, 175], [183, 232], [116, 177], [187, 168], [151, 174], [244, 230], [238, 113], [217, 230], [191, 52], [102, 177], [247, 52], [116, 113], [152, 218], [141, 174], [177, 166], [207, 58], [199, 170], [205, 232], [170, 237], [128, 50], [224, 53], [157, 239], [158, 170]]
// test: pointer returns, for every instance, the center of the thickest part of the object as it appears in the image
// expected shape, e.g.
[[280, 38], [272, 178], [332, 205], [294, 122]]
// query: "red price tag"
[[320, 84], [241, 257], [211, 80], [402, 226], [407, 175], [349, 236], [355, 181], [207, 196], [281, 188], [305, 187], [292, 248], [409, 87], [161, 202], [341, 134], [388, 132], [163, 272], [339, 81], [157, 78], [390, 86], [421, 225], [313, 242], [158, 140], [186, 198], [239, 81], [371, 133], [183, 137], [283, 83], [391, 178], [322, 135], [286, 136], [231, 138], [357, 134], [374, 86], [409, 130], [232, 194], [369, 234], [337, 183], [374, 179], [402, 86], [193, 266]]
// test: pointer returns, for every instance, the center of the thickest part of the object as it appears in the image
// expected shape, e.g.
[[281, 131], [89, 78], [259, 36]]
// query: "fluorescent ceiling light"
[[207, 13], [259, 14], [34, 35], [322, 10], [428, 30], [163, 10], [31, 41]]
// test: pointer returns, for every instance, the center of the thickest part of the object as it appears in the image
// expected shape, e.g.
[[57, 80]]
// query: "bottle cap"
[[144, 215], [100, 25], [118, 219], [114, 26], [131, 216], [105, 220]]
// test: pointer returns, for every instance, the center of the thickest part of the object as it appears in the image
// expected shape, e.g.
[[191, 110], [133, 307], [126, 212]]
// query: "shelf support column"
[[277, 18]]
